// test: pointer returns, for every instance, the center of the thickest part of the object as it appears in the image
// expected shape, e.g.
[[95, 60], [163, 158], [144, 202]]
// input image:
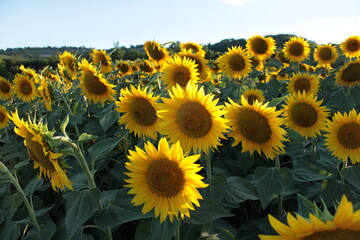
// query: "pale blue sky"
[[101, 23]]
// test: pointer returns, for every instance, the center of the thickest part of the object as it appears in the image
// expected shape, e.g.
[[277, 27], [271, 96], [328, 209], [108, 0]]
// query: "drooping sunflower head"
[[281, 56], [261, 47], [349, 74], [304, 82], [156, 52], [45, 94], [68, 63], [296, 49], [24, 87], [200, 62], [252, 95], [343, 138], [256, 126], [93, 85], [140, 111], [180, 71], [351, 47], [41, 152], [124, 68], [304, 114], [164, 179], [235, 63], [325, 54], [192, 117], [31, 73], [343, 225], [5, 89], [50, 74], [194, 47], [102, 58], [4, 119]]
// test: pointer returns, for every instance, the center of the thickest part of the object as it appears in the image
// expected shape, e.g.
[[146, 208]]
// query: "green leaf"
[[108, 119], [9, 230], [276, 101], [33, 185], [333, 190], [11, 203], [207, 212], [239, 190], [80, 206], [84, 137], [273, 62], [64, 124], [143, 230], [103, 147], [304, 171], [352, 175], [163, 231], [305, 207], [216, 190], [268, 184]]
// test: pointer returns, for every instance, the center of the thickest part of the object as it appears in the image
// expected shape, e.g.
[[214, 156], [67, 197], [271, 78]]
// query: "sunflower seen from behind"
[[349, 74], [304, 82], [156, 53], [4, 119], [24, 88], [304, 114], [100, 57], [140, 111], [193, 118], [325, 55], [194, 47], [344, 225], [180, 71], [351, 47], [41, 153], [235, 63], [164, 179], [297, 49], [260, 47], [6, 90], [257, 127], [68, 64], [94, 86], [45, 94], [343, 137]]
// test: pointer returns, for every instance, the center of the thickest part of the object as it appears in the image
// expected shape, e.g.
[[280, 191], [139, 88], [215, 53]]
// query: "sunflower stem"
[[280, 198], [342, 178], [28, 206], [264, 71], [208, 167], [177, 231], [313, 144]]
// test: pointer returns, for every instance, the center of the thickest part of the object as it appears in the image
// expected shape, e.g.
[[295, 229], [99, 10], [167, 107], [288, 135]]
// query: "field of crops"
[[261, 143]]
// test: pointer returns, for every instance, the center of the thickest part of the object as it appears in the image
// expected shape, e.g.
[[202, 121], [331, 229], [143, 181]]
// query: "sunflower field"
[[262, 142]]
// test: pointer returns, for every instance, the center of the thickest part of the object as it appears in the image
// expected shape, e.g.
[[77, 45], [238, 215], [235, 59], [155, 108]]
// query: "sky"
[[102, 24]]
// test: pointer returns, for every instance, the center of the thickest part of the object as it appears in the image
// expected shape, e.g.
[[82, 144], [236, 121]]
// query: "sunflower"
[[31, 73], [351, 47], [164, 179], [24, 87], [123, 67], [345, 224], [5, 89], [140, 112], [304, 82], [44, 93], [296, 49], [102, 58], [349, 74], [192, 118], [146, 67], [235, 63], [50, 74], [325, 54], [343, 138], [200, 62], [39, 150], [156, 53], [260, 47], [256, 126], [281, 56], [180, 71], [252, 95], [4, 119], [304, 114], [194, 47], [68, 64], [257, 64], [93, 85]]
